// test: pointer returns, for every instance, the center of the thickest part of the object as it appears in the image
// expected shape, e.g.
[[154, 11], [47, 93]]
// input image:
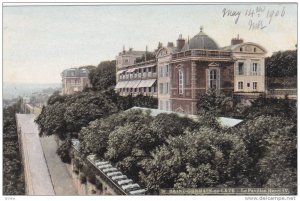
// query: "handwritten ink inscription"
[[258, 18]]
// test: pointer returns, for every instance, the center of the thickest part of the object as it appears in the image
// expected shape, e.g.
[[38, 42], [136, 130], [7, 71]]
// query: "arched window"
[[180, 81]]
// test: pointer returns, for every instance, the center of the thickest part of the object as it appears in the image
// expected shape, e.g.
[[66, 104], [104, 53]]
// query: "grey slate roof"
[[200, 41], [75, 72]]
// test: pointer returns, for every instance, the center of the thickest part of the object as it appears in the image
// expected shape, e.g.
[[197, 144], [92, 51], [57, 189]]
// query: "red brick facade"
[[196, 82]]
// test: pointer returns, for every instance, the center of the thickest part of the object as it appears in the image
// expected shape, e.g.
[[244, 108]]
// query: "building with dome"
[[197, 65]]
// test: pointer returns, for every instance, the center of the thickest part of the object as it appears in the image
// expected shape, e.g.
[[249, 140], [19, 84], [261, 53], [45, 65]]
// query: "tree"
[[104, 76], [145, 101], [63, 151], [13, 178], [271, 144], [271, 107], [166, 125], [213, 104], [201, 176], [199, 158], [55, 97], [51, 120], [130, 135], [286, 59]]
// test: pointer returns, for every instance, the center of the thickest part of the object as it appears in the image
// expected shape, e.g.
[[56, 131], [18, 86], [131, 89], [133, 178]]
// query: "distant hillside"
[[14, 90]]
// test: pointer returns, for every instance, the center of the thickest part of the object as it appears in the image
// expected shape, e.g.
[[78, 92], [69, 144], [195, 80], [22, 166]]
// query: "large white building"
[[249, 66]]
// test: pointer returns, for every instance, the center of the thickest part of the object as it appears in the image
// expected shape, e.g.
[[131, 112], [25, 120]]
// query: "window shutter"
[[258, 69], [236, 68], [207, 79]]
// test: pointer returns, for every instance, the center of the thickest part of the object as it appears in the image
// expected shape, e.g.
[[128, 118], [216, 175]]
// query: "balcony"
[[203, 54]]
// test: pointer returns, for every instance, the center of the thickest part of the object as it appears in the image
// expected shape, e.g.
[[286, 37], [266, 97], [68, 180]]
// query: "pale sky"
[[39, 42]]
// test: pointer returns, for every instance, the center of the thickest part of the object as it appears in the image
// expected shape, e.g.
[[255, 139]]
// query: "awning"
[[121, 71], [131, 70], [148, 66], [133, 84], [121, 84], [129, 84], [136, 83], [146, 83]]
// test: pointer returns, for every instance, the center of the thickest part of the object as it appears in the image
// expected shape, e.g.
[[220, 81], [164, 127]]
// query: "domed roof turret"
[[201, 41]]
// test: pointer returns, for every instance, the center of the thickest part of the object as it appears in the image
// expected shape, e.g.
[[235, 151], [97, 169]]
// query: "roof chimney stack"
[[180, 43], [237, 40], [170, 44]]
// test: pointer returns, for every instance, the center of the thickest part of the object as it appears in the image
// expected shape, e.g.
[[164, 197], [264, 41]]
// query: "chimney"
[[170, 44], [236, 41], [180, 42], [159, 45], [146, 53]]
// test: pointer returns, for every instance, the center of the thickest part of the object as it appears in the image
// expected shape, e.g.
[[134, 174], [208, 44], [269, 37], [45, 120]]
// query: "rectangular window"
[[240, 68], [240, 85], [254, 69], [180, 82], [161, 88], [149, 89], [254, 85], [167, 88], [167, 70], [160, 71]]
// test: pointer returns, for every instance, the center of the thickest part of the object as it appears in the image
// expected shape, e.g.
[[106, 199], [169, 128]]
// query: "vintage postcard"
[[150, 99]]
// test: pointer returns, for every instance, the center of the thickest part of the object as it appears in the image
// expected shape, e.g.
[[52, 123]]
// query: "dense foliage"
[[281, 70], [168, 151], [13, 178], [282, 64], [104, 76]]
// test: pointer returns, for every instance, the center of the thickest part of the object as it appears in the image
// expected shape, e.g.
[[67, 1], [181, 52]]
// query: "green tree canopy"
[[104, 76], [282, 64]]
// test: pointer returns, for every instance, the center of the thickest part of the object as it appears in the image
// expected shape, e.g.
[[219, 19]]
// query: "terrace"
[[203, 54]]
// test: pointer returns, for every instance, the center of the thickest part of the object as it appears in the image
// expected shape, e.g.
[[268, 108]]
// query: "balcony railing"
[[202, 53]]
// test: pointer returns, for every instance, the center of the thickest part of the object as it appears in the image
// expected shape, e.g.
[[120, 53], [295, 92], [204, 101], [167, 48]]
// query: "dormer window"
[[254, 49], [241, 49]]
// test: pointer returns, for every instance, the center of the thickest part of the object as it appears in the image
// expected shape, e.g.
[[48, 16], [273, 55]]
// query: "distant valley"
[[14, 90]]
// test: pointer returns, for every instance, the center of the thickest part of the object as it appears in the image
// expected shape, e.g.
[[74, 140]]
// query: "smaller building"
[[249, 66], [74, 80], [140, 78], [127, 58]]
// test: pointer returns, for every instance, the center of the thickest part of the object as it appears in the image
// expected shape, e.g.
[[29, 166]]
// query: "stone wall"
[[88, 188]]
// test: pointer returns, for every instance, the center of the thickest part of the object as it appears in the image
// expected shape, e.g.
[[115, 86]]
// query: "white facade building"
[[249, 67], [164, 56]]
